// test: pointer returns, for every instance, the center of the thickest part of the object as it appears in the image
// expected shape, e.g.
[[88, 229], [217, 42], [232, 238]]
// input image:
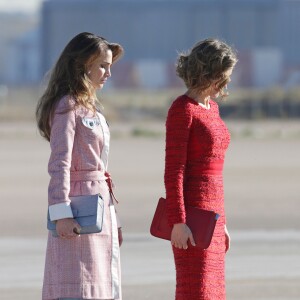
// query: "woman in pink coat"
[[79, 266]]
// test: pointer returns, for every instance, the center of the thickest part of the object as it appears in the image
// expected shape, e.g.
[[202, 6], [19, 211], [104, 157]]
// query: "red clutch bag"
[[201, 222]]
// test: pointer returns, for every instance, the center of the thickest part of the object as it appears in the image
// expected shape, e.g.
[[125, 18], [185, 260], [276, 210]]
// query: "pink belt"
[[94, 176], [87, 176]]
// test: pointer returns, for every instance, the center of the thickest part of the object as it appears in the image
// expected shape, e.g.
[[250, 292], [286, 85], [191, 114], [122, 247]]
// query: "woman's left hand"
[[120, 235], [227, 240]]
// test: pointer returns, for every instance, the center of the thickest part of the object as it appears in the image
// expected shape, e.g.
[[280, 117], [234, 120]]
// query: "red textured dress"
[[196, 142]]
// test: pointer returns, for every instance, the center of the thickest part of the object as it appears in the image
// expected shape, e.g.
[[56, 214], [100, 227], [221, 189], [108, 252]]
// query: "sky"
[[26, 6]]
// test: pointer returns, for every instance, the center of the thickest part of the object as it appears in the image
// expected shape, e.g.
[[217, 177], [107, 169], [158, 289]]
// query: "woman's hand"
[[227, 239], [67, 228], [180, 235], [120, 236]]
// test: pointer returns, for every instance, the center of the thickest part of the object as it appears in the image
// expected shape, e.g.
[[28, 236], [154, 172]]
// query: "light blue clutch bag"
[[87, 211]]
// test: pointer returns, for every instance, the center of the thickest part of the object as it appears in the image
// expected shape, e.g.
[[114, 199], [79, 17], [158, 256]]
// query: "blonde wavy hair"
[[69, 77], [205, 64]]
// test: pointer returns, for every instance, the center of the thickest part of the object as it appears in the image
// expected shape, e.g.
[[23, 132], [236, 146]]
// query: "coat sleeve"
[[178, 125], [62, 135]]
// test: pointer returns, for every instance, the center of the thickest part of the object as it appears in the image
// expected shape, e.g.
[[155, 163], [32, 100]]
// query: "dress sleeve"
[[178, 125], [62, 135]]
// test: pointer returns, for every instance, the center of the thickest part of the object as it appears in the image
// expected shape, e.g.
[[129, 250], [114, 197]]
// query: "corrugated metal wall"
[[153, 29]]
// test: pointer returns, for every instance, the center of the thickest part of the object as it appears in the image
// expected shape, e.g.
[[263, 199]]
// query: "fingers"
[[66, 235], [68, 229], [179, 244], [191, 238], [184, 245], [120, 236], [180, 236], [69, 235], [227, 245], [227, 240], [76, 228]]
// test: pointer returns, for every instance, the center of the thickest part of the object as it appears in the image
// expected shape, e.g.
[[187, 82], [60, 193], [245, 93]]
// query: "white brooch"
[[90, 122]]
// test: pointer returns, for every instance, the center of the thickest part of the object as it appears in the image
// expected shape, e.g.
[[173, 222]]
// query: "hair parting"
[[69, 77]]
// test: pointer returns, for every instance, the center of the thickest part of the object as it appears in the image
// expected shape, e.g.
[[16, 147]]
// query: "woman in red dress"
[[196, 142]]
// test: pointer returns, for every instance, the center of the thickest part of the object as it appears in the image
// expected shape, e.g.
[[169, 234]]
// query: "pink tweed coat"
[[87, 266]]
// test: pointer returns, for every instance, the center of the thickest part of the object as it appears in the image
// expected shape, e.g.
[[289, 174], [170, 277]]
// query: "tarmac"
[[261, 177]]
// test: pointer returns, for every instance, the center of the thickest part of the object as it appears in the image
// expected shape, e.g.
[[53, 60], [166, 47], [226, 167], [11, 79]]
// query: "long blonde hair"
[[69, 76]]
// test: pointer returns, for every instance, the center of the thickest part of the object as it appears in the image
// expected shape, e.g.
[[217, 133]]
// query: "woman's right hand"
[[67, 228], [180, 235]]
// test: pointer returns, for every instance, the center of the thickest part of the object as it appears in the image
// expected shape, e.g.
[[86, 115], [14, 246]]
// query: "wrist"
[[64, 220], [179, 225]]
